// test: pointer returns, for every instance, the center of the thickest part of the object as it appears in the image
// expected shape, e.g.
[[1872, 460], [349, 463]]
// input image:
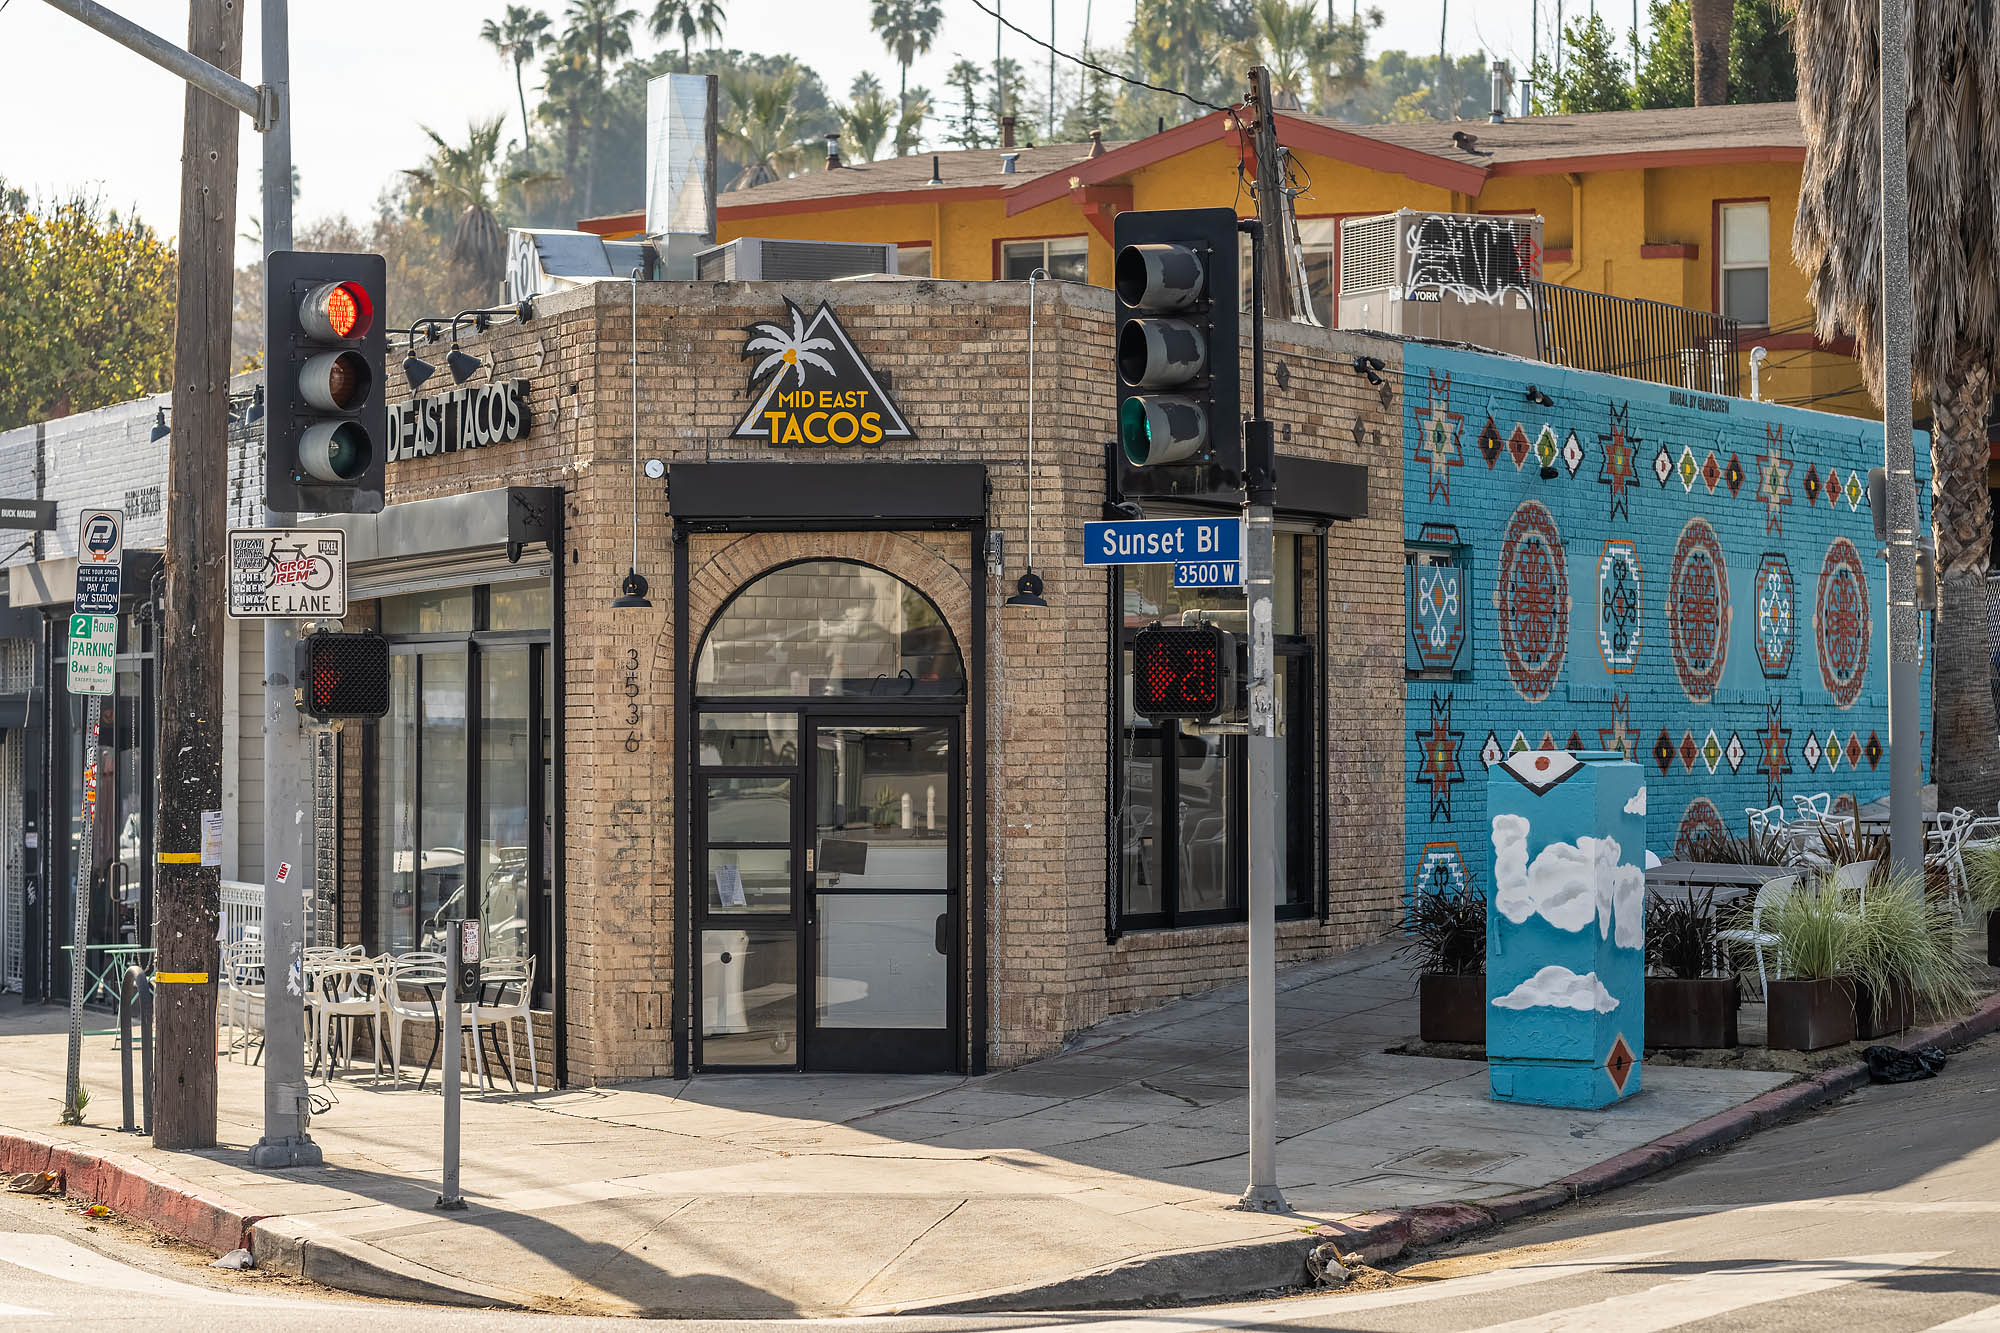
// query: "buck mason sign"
[[469, 417]]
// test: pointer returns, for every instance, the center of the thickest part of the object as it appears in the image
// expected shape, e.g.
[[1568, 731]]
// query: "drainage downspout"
[[1575, 265]]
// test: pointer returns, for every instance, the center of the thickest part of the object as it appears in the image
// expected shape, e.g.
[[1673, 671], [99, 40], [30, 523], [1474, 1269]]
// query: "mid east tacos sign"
[[811, 389]]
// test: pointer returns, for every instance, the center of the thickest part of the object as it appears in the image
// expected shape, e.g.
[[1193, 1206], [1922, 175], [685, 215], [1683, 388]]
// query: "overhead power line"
[[1093, 65]]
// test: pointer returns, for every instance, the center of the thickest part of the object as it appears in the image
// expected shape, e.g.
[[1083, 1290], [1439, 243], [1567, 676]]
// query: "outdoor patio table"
[[1683, 878], [106, 978], [434, 991]]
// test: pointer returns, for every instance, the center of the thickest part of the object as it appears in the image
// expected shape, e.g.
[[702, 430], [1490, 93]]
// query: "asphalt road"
[[1880, 1213]]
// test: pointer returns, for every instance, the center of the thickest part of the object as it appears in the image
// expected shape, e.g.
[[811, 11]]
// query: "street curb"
[[162, 1201], [1378, 1238], [1242, 1272], [134, 1190]]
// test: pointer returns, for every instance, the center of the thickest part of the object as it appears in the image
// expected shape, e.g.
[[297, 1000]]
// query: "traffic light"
[[1175, 278], [1185, 671], [326, 415], [343, 675]]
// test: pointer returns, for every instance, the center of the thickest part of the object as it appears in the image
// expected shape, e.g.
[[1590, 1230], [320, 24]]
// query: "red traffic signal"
[[1184, 671], [326, 412], [343, 675], [337, 311]]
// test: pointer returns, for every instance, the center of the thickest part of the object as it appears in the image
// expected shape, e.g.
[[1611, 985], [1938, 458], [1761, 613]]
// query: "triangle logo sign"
[[810, 388]]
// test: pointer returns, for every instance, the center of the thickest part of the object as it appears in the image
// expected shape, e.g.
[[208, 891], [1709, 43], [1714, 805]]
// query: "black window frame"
[[1303, 717], [545, 901]]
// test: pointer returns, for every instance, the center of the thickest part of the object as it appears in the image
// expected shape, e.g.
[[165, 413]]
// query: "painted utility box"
[[1566, 928]]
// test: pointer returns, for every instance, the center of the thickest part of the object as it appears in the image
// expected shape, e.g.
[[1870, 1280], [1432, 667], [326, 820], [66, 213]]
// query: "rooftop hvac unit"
[[754, 259], [1461, 277]]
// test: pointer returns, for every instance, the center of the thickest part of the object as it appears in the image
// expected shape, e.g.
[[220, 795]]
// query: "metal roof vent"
[[1007, 161], [935, 178]]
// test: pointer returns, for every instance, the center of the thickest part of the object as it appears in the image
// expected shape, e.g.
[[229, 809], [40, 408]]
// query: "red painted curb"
[[134, 1190], [1378, 1237]]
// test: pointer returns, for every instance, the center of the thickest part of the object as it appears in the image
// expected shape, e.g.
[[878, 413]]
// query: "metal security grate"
[[1368, 255], [1639, 339]]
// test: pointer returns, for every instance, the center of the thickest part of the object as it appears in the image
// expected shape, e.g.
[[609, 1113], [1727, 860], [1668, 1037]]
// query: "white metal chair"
[[1816, 806], [1854, 875], [242, 992], [399, 1007], [517, 993], [345, 990], [1756, 936]]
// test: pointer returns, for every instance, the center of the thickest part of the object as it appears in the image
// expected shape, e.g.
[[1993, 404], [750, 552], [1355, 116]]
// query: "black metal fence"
[[1642, 340]]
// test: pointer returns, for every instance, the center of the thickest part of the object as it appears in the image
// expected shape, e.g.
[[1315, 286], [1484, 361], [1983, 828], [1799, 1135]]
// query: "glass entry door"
[[882, 916]]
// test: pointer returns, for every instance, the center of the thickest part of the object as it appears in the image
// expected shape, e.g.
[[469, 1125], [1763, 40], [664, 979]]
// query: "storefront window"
[[829, 627], [464, 773], [1181, 795]]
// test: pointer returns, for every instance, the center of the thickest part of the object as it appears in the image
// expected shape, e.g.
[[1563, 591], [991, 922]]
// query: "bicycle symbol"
[[292, 566]]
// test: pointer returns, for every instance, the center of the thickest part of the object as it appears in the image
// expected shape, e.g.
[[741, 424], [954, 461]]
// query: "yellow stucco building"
[[1692, 207]]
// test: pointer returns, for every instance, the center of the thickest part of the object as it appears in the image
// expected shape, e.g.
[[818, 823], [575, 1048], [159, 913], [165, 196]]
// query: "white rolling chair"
[[1756, 936]]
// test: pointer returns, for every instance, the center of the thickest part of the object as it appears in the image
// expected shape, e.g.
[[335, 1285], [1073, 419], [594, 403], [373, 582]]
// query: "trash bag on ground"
[[1887, 1064]]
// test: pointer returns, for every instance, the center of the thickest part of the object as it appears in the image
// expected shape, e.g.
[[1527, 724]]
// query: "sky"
[[80, 112]]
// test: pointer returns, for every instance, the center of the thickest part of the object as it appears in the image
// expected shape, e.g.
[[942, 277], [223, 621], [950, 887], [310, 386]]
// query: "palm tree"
[[763, 128], [566, 92], [907, 28], [916, 105], [458, 185], [1711, 20], [604, 30], [689, 18], [866, 119], [1288, 34], [519, 36], [1954, 168]]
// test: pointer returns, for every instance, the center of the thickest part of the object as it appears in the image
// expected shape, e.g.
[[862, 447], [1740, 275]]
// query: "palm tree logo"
[[792, 351]]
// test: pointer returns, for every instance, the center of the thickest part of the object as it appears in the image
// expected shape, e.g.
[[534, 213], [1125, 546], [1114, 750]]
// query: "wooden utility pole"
[[1270, 198], [190, 649]]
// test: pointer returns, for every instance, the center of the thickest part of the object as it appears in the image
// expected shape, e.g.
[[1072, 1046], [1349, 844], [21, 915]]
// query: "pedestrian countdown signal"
[[1183, 671]]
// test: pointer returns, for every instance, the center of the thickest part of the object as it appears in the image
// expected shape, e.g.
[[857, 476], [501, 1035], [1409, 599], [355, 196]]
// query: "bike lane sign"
[[287, 573]]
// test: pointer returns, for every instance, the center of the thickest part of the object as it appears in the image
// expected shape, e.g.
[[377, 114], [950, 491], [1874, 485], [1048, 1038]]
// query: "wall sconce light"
[[1538, 398], [1368, 366], [256, 412], [160, 428], [463, 365]]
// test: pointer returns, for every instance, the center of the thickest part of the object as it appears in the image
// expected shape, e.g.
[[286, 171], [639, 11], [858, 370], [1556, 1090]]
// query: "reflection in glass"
[[130, 830], [428, 613], [504, 757], [395, 811], [1204, 775], [441, 842], [1150, 594], [749, 809], [749, 740], [883, 808], [882, 960], [750, 879], [1139, 819], [518, 606], [749, 997], [829, 627]]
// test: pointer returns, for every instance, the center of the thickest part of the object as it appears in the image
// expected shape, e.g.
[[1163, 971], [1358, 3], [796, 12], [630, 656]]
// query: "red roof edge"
[[1053, 185], [1663, 157], [1361, 151]]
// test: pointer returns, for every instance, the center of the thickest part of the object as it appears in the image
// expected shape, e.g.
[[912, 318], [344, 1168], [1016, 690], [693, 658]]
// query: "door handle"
[[943, 940]]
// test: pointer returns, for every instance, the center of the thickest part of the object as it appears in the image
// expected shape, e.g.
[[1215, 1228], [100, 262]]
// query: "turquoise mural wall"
[[1686, 577]]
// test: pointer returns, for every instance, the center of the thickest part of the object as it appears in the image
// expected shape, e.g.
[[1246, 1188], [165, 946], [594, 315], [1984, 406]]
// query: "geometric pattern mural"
[[1676, 574], [1619, 620], [1532, 598]]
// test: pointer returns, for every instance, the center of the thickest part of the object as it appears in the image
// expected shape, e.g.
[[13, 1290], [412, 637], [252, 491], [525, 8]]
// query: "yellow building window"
[[1065, 257], [1745, 262], [914, 260]]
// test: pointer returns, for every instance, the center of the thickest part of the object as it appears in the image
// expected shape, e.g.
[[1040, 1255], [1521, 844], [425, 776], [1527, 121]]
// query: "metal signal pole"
[[1260, 494], [288, 806], [1906, 833]]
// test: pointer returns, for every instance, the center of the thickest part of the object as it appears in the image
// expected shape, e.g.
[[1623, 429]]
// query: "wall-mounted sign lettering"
[[811, 389], [470, 417]]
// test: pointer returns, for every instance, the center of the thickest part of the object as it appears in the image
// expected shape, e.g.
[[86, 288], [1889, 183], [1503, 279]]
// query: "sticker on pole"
[[93, 654], [100, 559], [287, 573]]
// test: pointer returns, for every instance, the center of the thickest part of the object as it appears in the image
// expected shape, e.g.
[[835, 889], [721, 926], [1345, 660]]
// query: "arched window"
[[828, 628]]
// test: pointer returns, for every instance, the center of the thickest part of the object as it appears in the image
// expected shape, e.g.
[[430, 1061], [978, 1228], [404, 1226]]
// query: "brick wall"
[[955, 356], [1696, 584]]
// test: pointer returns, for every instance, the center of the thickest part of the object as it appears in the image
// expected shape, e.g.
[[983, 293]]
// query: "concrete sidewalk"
[[1104, 1173]]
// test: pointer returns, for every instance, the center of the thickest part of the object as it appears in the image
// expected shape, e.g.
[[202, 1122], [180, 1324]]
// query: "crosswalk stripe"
[[1707, 1295], [1989, 1318], [20, 1312], [53, 1256], [1246, 1316]]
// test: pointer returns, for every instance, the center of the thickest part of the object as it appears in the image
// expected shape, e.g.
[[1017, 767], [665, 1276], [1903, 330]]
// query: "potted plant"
[[1817, 934], [884, 810], [1982, 890], [1690, 995], [1448, 947], [1909, 961]]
